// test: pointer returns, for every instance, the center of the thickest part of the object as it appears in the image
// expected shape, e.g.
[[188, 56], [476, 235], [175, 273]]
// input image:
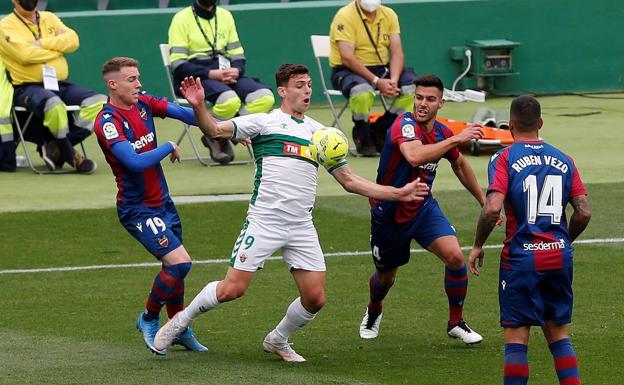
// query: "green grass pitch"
[[77, 327]]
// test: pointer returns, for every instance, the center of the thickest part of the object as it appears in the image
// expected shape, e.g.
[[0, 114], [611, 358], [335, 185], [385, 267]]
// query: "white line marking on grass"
[[218, 261], [182, 199]]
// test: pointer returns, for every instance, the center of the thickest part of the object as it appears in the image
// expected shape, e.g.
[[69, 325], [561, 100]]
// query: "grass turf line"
[[77, 327]]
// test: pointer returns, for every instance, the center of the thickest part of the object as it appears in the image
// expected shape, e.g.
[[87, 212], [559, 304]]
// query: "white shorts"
[[258, 241]]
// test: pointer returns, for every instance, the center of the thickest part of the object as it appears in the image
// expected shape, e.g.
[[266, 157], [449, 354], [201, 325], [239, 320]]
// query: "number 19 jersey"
[[538, 181]]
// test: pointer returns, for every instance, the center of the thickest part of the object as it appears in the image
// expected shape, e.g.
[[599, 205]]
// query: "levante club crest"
[[163, 241]]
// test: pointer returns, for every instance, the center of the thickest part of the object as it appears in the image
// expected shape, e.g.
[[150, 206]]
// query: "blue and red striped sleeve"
[[109, 130], [453, 153], [578, 188], [498, 172], [404, 129]]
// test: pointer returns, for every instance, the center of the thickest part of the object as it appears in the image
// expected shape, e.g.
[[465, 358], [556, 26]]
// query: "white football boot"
[[273, 344], [168, 333], [464, 333], [369, 328]]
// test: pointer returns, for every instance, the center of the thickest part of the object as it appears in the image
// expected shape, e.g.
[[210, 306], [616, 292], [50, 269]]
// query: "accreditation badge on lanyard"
[[50, 81], [224, 63]]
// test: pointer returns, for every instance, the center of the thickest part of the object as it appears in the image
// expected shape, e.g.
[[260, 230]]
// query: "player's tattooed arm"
[[580, 217], [489, 217]]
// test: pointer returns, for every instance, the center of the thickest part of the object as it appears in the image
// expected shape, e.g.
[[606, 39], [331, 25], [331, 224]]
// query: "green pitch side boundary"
[[219, 261], [246, 7]]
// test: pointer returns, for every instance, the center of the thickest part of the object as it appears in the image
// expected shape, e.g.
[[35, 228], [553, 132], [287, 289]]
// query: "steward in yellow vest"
[[204, 43], [33, 43]]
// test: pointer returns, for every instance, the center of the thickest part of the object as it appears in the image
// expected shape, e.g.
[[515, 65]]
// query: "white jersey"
[[286, 175]]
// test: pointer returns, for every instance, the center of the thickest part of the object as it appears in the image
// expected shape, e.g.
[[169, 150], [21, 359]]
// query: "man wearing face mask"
[[204, 44], [366, 55], [33, 45]]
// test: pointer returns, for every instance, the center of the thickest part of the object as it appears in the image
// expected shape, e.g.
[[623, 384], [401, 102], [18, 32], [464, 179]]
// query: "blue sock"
[[516, 370], [566, 364]]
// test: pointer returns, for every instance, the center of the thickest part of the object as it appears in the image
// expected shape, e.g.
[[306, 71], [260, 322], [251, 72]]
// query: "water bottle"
[[21, 161]]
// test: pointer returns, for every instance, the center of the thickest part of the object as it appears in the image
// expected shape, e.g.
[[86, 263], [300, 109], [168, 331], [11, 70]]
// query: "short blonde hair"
[[117, 63]]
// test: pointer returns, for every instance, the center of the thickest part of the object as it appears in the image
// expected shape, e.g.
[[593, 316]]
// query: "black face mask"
[[200, 5], [28, 5]]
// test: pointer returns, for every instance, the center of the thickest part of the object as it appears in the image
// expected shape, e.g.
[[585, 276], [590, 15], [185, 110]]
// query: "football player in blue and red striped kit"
[[126, 133], [534, 181], [414, 145]]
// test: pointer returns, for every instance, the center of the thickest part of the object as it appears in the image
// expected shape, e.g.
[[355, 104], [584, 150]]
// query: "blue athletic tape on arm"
[[140, 162], [184, 114]]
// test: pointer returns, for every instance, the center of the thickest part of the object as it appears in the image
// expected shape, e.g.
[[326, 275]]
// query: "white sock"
[[296, 317], [204, 301]]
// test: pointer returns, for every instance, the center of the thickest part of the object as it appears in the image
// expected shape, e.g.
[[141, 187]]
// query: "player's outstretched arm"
[[580, 217], [487, 220], [193, 92], [417, 153], [475, 260], [464, 172], [141, 162], [353, 183], [466, 176]]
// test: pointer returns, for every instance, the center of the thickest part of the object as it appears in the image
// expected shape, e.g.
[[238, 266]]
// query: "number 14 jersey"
[[538, 181]]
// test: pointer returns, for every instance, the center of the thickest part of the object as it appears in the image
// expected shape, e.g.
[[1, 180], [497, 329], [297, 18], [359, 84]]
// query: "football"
[[329, 146]]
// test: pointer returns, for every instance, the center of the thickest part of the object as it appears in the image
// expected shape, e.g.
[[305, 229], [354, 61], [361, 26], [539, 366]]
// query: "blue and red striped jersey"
[[395, 170], [135, 125], [538, 181]]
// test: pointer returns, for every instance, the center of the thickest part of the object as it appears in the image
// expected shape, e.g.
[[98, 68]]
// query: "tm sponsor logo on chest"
[[297, 149], [143, 141]]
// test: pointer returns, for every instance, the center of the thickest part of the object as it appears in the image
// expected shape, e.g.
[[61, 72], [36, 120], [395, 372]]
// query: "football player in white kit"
[[280, 209]]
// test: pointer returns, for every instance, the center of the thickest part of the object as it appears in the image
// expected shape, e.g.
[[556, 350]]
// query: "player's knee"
[[361, 98], [455, 260], [179, 270], [261, 100], [227, 105], [314, 301], [386, 280]]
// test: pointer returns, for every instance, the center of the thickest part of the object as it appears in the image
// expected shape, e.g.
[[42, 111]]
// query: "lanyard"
[[369, 34], [214, 41], [37, 36]]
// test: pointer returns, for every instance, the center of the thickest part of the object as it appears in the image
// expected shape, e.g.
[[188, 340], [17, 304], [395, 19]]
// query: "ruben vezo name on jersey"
[[544, 246], [537, 160], [143, 141]]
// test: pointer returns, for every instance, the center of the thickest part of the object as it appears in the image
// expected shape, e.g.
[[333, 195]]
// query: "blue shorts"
[[158, 229], [390, 242], [528, 298]]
